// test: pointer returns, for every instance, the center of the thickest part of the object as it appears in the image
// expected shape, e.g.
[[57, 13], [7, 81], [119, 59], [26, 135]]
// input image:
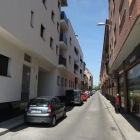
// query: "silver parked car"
[[44, 110], [88, 94]]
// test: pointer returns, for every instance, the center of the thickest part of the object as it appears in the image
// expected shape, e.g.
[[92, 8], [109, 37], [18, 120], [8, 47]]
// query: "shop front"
[[132, 66]]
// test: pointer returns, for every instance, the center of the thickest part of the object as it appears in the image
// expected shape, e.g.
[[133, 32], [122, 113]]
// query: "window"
[[69, 83], [62, 81], [58, 27], [80, 71], [130, 2], [111, 18], [27, 58], [58, 102], [70, 40], [4, 65], [45, 3], [54, 104], [32, 19], [57, 50], [58, 80], [73, 84], [51, 43], [59, 4], [114, 35], [42, 32], [65, 82], [70, 59], [52, 16], [113, 5], [122, 10]]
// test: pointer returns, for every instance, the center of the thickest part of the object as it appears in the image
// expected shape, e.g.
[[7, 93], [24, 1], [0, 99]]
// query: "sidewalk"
[[129, 126], [11, 124]]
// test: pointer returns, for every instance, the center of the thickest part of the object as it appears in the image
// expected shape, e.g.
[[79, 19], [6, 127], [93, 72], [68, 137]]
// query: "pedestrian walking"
[[117, 103]]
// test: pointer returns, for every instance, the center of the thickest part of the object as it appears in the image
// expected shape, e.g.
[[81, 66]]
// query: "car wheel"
[[64, 114], [53, 123]]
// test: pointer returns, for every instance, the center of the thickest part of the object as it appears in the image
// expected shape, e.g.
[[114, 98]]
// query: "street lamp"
[[101, 24], [101, 61]]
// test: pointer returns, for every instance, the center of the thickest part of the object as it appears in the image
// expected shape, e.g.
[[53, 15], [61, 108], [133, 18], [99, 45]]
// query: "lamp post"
[[101, 24]]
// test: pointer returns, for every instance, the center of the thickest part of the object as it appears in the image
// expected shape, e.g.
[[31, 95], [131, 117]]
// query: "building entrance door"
[[25, 84]]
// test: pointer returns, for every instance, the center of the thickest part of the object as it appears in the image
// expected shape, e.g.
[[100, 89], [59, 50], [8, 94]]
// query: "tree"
[[96, 88]]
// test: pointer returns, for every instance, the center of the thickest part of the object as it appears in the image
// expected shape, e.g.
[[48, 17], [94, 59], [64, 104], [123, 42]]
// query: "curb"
[[14, 127], [117, 123]]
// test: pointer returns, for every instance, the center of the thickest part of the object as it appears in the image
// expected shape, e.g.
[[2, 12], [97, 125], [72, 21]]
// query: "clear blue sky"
[[84, 16]]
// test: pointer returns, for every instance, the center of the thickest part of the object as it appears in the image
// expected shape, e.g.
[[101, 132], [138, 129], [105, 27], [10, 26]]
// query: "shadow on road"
[[38, 125], [69, 107]]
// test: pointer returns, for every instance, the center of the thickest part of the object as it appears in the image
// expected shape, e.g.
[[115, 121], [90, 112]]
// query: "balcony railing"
[[62, 60], [63, 38], [63, 16]]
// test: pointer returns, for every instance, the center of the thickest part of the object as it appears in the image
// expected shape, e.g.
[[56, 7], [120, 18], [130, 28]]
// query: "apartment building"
[[120, 69], [87, 81], [39, 53]]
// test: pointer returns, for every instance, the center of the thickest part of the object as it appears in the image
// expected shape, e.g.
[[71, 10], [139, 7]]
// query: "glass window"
[[52, 16], [51, 43], [65, 82], [62, 81], [42, 32], [4, 65], [38, 103], [54, 103], [58, 102], [133, 85], [32, 18], [45, 3], [58, 80], [122, 10], [121, 89]]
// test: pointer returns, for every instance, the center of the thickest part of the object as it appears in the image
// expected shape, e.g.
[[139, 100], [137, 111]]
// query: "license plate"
[[35, 111]]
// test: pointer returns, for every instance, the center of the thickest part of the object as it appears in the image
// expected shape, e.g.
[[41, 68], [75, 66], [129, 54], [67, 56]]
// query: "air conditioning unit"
[[113, 75]]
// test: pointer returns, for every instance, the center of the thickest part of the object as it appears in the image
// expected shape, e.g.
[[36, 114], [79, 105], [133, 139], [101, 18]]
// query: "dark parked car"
[[74, 97], [44, 110]]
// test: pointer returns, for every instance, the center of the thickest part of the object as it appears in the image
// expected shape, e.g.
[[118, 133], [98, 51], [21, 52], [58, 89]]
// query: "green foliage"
[[96, 88]]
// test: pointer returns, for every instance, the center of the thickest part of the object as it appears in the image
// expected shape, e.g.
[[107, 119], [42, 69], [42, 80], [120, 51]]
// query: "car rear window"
[[39, 103]]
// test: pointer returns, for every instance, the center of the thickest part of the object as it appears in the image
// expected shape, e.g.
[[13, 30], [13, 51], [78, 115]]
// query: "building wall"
[[130, 16]]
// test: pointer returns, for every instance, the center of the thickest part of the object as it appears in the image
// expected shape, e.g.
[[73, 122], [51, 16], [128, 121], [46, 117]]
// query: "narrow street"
[[91, 121]]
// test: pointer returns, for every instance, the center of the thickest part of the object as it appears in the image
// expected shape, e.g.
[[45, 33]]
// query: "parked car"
[[84, 96], [74, 97], [88, 95], [91, 93], [44, 110]]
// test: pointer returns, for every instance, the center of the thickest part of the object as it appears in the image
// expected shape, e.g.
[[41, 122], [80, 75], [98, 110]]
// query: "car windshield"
[[38, 103], [76, 93]]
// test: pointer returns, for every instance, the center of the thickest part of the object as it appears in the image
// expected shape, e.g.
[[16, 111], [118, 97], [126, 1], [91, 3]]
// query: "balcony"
[[62, 60], [63, 41], [63, 21], [64, 3]]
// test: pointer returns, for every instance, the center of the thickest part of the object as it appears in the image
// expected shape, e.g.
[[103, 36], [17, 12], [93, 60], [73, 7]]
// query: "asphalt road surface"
[[91, 121]]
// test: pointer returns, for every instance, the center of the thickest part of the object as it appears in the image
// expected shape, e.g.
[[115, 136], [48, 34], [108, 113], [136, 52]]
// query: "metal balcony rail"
[[63, 38], [63, 16], [62, 60]]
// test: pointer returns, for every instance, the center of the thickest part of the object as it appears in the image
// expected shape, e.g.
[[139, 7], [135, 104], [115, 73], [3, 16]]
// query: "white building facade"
[[39, 53]]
